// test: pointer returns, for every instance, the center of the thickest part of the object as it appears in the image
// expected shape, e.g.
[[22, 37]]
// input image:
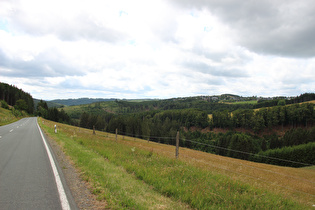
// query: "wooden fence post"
[[116, 134], [93, 129], [177, 145]]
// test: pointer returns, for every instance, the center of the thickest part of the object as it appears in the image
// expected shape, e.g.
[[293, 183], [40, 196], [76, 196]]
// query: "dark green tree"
[[21, 105], [84, 120]]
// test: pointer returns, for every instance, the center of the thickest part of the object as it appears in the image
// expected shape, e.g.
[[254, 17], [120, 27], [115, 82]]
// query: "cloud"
[[68, 20], [45, 64], [283, 28], [217, 71], [157, 49]]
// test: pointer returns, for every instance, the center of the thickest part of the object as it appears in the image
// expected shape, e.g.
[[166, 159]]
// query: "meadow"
[[131, 173]]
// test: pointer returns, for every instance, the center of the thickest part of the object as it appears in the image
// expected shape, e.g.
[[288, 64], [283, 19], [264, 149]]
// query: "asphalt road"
[[27, 176]]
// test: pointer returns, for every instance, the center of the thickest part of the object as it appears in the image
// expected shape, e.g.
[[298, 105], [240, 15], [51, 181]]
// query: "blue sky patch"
[[4, 25]]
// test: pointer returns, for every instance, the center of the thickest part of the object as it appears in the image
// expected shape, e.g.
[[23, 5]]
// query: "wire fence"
[[211, 146], [225, 167], [247, 153], [228, 169]]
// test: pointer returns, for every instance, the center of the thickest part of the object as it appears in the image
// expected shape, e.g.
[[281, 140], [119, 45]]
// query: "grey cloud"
[[87, 29], [239, 55], [47, 64], [282, 27], [80, 27], [217, 71]]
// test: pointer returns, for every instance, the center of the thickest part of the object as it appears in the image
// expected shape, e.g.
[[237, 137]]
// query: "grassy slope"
[[7, 117], [134, 173]]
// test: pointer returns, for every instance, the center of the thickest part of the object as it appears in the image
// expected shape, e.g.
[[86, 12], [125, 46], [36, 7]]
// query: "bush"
[[21, 105], [4, 104]]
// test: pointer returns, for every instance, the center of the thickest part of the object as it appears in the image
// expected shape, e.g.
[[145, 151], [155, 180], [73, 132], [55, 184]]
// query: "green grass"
[[9, 116], [131, 178], [110, 181]]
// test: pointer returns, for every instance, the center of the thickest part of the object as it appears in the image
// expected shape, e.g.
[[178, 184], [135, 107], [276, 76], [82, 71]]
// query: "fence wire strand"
[[112, 136], [248, 153]]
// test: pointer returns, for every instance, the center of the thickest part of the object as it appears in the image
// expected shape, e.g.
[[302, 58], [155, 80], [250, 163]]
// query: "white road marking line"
[[11, 130], [62, 195]]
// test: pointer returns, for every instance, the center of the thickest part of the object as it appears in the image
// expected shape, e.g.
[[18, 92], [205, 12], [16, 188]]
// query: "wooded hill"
[[79, 101], [159, 120], [10, 95]]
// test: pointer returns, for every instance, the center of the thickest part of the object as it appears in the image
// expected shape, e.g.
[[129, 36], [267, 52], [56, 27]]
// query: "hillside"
[[276, 131], [50, 104], [9, 116], [79, 101], [82, 101], [14, 96], [6, 117], [132, 173], [206, 103]]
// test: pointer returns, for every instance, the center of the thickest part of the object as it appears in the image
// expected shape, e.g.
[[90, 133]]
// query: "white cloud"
[[159, 49]]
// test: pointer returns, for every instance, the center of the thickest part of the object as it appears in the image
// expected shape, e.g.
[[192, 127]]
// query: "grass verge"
[[110, 181], [134, 178], [9, 116]]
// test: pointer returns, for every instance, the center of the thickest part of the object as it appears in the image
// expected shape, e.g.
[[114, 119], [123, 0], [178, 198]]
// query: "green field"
[[136, 174]]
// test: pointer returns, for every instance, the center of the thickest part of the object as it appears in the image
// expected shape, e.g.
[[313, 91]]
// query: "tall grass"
[[9, 116], [130, 177]]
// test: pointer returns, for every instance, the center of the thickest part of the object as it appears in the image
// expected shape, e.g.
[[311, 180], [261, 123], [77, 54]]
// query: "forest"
[[52, 113], [15, 97], [258, 120], [295, 120]]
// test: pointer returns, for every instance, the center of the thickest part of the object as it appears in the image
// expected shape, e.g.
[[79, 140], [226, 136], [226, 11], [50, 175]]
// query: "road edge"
[[60, 186]]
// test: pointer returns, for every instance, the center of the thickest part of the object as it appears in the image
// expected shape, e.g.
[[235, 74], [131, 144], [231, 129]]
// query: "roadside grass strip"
[[110, 181], [128, 177]]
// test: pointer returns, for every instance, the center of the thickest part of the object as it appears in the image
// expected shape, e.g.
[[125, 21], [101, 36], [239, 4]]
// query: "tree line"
[[13, 96], [52, 114], [258, 120], [297, 146], [147, 125], [283, 101], [208, 106], [162, 126], [126, 107]]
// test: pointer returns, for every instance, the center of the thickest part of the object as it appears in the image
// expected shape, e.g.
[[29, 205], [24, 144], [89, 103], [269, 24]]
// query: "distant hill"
[[79, 101], [50, 104]]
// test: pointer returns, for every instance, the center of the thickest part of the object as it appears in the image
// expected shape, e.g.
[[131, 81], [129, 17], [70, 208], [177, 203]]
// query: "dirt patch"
[[80, 189]]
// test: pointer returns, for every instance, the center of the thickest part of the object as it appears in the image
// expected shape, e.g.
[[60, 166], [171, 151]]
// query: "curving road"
[[29, 176]]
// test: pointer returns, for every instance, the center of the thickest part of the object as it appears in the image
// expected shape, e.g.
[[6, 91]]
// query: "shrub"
[[4, 104]]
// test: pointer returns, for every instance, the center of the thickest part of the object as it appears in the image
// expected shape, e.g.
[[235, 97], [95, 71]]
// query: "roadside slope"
[[133, 173]]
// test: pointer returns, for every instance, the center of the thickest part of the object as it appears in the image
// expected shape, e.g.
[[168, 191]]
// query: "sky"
[[59, 49]]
